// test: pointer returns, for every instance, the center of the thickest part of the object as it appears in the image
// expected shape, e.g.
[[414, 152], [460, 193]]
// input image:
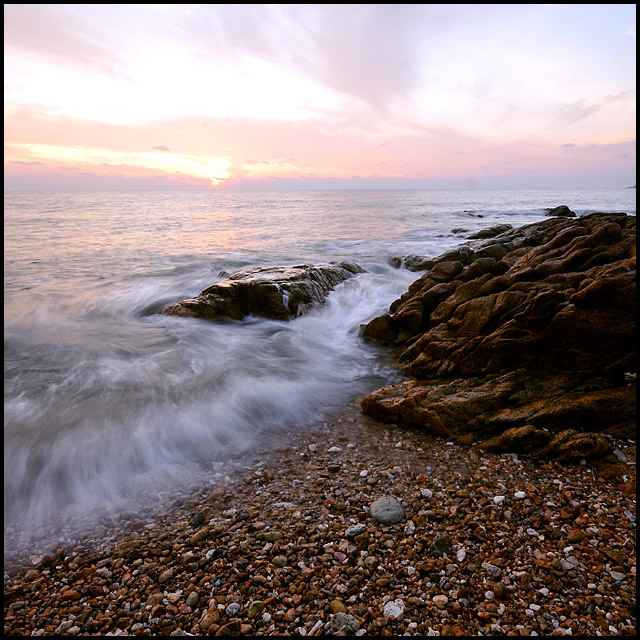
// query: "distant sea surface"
[[107, 401]]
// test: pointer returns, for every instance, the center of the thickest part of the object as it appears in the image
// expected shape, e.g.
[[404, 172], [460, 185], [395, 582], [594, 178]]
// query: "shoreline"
[[285, 539], [287, 548]]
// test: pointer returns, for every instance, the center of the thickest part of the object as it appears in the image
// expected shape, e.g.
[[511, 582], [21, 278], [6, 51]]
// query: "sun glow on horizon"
[[215, 170], [200, 96]]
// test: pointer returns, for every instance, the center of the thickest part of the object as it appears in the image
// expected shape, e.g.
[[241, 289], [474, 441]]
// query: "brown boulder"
[[531, 330], [562, 210], [516, 403], [277, 293], [568, 445]]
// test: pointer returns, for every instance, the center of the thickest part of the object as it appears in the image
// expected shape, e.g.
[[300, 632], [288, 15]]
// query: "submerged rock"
[[279, 293], [533, 330]]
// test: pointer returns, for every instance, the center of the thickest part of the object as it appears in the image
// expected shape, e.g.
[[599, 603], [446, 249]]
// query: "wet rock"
[[278, 293], [562, 210], [524, 345], [491, 232]]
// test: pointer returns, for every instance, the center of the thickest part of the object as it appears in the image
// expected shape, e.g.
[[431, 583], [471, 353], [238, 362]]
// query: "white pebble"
[[440, 600], [315, 627], [520, 495], [394, 608], [461, 555], [498, 499]]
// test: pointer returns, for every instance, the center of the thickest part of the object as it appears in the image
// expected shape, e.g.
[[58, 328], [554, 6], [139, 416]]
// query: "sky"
[[304, 96]]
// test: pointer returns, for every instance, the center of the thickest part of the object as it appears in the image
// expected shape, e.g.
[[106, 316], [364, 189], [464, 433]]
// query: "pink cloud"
[[271, 152]]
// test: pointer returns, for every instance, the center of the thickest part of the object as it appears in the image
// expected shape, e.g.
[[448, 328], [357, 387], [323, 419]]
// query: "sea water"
[[107, 401]]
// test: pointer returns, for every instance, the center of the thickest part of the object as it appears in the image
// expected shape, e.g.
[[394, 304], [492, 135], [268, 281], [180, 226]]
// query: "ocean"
[[108, 403]]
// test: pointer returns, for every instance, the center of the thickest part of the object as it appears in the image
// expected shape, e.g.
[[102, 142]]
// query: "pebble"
[[280, 546], [342, 623], [394, 608], [355, 530], [387, 510], [440, 600]]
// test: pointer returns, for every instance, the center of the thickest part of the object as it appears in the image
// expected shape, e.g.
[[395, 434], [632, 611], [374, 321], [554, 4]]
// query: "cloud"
[[571, 113], [622, 105], [58, 33], [569, 145], [161, 147], [371, 52], [263, 152]]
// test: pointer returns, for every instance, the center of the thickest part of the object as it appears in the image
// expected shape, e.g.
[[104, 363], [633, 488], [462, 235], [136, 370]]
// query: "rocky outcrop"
[[279, 293], [562, 210], [522, 342]]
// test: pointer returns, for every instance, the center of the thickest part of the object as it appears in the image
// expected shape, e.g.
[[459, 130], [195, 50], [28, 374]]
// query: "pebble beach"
[[351, 528]]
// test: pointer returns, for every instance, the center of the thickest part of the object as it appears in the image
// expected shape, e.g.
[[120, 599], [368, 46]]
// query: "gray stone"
[[441, 546], [341, 622], [356, 530], [387, 510]]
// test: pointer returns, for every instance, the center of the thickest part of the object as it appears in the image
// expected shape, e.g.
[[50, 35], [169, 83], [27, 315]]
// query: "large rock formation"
[[525, 342], [279, 293]]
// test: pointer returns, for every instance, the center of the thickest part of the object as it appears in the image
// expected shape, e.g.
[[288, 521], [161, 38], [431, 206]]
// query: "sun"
[[217, 170]]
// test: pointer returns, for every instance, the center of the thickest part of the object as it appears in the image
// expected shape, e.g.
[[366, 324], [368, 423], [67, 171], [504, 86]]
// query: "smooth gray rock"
[[387, 510]]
